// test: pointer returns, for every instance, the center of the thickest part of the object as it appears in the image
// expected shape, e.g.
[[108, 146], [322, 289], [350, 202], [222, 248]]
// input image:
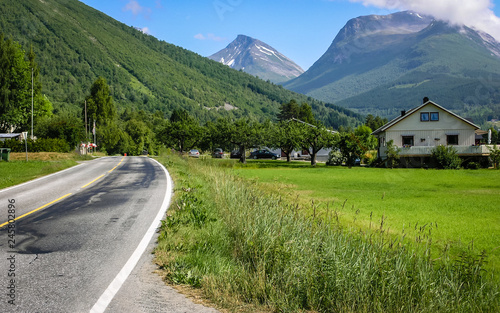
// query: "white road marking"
[[40, 178], [108, 295]]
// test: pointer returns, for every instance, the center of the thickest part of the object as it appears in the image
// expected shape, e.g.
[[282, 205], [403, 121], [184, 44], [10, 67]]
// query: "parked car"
[[264, 154], [218, 153], [194, 153], [235, 154]]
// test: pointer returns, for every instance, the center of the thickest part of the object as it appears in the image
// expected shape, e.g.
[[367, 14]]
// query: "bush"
[[495, 156], [392, 154], [335, 158], [39, 145], [473, 166], [446, 157]]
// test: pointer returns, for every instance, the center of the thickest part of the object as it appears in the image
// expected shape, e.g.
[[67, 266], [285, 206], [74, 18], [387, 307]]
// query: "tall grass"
[[244, 246]]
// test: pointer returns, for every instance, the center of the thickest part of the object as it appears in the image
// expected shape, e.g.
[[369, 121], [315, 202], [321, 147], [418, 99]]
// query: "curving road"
[[82, 239]]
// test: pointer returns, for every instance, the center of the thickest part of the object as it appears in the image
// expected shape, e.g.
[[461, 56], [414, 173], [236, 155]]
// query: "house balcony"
[[416, 151]]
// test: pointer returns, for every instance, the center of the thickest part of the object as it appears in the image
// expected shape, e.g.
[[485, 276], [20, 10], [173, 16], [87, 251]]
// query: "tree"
[[392, 153], [245, 133], [285, 136], [365, 138], [101, 112], [100, 106], [141, 135], [63, 126], [15, 86], [292, 110], [495, 155], [349, 147], [183, 132], [446, 157], [306, 114], [315, 138], [354, 145], [375, 122]]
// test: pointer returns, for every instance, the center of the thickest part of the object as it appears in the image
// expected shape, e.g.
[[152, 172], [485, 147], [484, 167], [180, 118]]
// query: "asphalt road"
[[78, 235]]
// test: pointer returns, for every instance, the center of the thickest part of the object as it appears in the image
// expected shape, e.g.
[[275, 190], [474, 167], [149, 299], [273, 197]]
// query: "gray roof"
[[410, 112], [10, 135]]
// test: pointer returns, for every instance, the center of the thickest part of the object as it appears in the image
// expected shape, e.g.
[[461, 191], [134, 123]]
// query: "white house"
[[417, 131]]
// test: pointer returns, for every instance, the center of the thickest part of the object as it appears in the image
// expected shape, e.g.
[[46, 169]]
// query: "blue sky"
[[300, 29]]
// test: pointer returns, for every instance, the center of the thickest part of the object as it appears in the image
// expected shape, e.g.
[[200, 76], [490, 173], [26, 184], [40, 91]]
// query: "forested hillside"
[[75, 44]]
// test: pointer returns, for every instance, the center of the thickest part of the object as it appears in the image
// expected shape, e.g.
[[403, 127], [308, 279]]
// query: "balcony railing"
[[427, 150]]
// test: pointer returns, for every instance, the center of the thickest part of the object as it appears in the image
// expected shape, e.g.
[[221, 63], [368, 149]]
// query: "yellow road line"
[[43, 206], [117, 165], [93, 181], [58, 199]]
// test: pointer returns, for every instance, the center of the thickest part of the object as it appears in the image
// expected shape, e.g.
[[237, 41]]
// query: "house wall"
[[430, 133]]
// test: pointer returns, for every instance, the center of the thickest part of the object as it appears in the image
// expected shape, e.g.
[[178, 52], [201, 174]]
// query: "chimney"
[[426, 99], [403, 113]]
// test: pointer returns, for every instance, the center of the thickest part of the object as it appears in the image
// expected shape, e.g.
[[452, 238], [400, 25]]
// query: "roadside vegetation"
[[251, 249], [17, 170]]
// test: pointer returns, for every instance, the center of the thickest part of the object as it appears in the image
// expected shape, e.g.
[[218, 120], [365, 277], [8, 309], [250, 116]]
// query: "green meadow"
[[456, 209]]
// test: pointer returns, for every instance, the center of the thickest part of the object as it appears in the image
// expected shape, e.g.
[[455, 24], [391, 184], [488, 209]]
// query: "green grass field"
[[456, 208]]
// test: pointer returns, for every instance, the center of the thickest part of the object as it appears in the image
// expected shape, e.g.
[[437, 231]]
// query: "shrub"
[[446, 157], [335, 158], [495, 156], [392, 154], [473, 166], [39, 145]]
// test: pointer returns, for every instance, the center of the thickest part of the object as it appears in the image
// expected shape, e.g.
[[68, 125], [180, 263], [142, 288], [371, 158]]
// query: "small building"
[[417, 131]]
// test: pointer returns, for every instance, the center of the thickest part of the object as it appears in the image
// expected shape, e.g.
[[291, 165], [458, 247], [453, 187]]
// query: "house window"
[[452, 140], [407, 141], [434, 116], [424, 117]]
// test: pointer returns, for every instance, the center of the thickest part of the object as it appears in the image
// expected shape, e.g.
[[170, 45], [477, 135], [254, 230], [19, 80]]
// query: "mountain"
[[257, 58], [383, 64], [75, 44]]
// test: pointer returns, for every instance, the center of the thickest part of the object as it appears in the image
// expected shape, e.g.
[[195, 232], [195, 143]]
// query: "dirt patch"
[[46, 156]]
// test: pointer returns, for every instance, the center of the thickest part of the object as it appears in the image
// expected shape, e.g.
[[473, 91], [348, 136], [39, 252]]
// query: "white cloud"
[[136, 9], [211, 37], [145, 30], [473, 13]]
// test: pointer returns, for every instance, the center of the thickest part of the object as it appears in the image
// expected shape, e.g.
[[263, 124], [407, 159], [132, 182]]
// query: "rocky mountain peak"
[[257, 58]]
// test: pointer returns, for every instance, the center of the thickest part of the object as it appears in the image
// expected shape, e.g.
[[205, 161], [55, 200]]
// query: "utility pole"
[[86, 129], [32, 103]]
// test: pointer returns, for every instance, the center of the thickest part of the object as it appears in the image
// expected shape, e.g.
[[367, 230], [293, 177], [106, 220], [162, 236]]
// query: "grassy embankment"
[[17, 170], [252, 249]]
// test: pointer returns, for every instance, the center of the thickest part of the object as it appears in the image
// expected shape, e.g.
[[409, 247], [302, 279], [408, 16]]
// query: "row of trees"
[[296, 129]]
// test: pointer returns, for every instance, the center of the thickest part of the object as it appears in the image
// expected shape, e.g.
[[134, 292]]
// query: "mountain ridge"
[[382, 64]]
